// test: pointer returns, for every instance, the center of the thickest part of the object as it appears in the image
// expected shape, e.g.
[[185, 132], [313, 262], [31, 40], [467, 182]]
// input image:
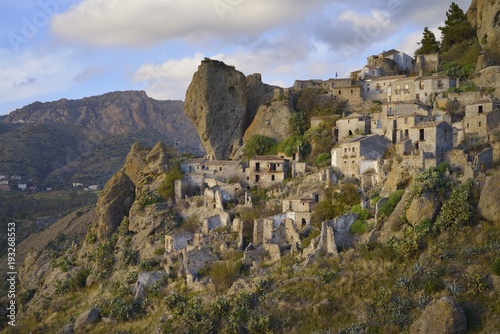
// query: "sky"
[[53, 49]]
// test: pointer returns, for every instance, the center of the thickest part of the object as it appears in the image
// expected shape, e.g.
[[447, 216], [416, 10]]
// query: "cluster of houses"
[[7, 182], [10, 182], [385, 78], [408, 122]]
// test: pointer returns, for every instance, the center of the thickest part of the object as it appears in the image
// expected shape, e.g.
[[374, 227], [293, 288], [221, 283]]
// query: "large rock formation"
[[488, 207], [223, 103], [484, 15], [142, 166]]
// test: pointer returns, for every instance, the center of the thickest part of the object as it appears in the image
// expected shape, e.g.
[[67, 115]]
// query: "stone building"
[[428, 63], [354, 124], [423, 89], [377, 88], [222, 170], [481, 117], [266, 171], [432, 138], [396, 118], [350, 154], [179, 241]]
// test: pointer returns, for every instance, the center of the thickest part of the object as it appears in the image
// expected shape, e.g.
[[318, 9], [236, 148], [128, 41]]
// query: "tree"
[[429, 44], [456, 28], [259, 145]]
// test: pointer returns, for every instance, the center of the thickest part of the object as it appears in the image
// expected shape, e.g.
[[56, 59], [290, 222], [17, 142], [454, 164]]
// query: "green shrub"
[[323, 159], [359, 227], [363, 214], [167, 188], [259, 145], [388, 207], [456, 211], [146, 198], [308, 236]]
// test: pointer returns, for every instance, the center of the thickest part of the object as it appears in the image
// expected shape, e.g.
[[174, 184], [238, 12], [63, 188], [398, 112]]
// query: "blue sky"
[[53, 49]]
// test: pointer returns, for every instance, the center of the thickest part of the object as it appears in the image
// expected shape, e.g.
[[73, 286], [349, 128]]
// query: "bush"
[[359, 227], [456, 211], [259, 145], [167, 187], [387, 208], [323, 159]]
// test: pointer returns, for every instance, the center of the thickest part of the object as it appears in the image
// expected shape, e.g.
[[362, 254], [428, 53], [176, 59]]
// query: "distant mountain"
[[87, 140], [117, 113]]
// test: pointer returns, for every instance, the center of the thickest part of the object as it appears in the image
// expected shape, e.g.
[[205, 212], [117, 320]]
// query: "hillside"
[[400, 272]]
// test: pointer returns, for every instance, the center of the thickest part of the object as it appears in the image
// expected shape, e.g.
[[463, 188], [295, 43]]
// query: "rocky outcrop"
[[484, 15], [271, 120], [424, 207], [223, 103], [488, 207], [442, 316], [142, 166], [114, 203]]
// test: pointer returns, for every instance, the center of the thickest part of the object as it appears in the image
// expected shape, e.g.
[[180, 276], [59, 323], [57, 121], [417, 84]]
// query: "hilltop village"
[[410, 124]]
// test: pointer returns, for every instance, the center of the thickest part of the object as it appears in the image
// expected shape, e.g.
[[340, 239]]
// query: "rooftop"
[[423, 125], [268, 158]]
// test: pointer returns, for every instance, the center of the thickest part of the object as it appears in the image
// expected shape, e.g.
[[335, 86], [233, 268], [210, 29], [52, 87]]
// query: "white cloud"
[[168, 80], [146, 22], [31, 74]]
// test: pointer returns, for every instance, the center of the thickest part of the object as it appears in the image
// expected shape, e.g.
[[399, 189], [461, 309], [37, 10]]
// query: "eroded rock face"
[[216, 102], [225, 106], [488, 206], [443, 316], [116, 200], [114, 203], [484, 15]]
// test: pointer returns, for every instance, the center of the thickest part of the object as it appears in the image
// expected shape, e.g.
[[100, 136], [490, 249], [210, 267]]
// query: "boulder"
[[422, 208], [488, 207], [442, 316], [87, 319]]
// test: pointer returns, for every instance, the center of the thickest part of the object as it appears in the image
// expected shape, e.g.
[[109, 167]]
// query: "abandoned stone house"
[[432, 139], [428, 63], [401, 59], [266, 171], [396, 118], [377, 88], [350, 154], [386, 63], [222, 170], [354, 124], [423, 89], [181, 240], [344, 89], [481, 117]]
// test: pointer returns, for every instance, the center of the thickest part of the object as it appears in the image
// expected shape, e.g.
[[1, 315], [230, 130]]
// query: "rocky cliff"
[[117, 113], [223, 104], [484, 15]]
